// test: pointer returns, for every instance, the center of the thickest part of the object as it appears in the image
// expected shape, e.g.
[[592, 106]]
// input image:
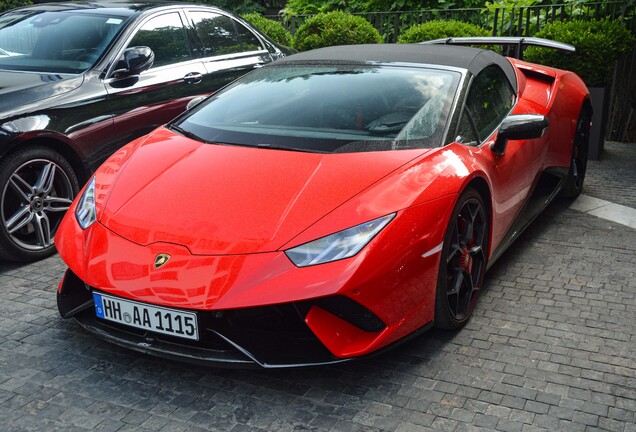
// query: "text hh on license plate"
[[157, 319]]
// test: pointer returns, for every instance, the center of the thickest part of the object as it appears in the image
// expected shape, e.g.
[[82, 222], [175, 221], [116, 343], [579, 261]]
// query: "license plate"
[[143, 316]]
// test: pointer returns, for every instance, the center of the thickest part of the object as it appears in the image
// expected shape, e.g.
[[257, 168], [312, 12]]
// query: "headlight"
[[85, 212], [343, 244]]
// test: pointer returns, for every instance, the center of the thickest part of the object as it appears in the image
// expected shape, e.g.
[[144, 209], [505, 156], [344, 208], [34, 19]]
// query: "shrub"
[[599, 44], [12, 4], [441, 29], [335, 28], [273, 29]]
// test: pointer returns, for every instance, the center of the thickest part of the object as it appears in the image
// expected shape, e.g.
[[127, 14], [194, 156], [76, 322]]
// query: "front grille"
[[271, 336]]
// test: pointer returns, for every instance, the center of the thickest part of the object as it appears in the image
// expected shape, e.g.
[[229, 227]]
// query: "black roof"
[[470, 59]]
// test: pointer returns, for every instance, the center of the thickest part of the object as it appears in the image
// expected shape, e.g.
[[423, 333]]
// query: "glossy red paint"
[[242, 201]]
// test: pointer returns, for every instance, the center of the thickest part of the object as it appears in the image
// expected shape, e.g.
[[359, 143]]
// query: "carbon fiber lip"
[[152, 346], [236, 358]]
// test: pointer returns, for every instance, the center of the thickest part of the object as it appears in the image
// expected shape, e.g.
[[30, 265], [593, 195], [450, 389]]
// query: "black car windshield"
[[328, 109], [57, 42]]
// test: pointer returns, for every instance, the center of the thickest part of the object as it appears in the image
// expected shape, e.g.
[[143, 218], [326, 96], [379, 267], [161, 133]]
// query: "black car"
[[78, 80]]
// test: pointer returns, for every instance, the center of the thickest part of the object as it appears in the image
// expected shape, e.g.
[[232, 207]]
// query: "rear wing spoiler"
[[513, 46]]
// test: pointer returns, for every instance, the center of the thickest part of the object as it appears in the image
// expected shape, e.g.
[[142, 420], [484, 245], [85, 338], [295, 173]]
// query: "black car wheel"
[[463, 262], [578, 162], [37, 186]]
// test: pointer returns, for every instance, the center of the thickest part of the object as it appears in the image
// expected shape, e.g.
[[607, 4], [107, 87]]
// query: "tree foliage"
[[238, 6], [335, 28], [273, 29], [5, 5], [506, 8], [599, 43], [312, 7], [306, 7]]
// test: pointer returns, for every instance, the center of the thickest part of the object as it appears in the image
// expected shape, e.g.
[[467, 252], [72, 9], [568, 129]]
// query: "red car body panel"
[[258, 211], [228, 253]]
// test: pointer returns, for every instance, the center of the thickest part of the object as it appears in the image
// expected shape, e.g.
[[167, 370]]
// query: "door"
[[227, 48], [490, 99], [156, 96]]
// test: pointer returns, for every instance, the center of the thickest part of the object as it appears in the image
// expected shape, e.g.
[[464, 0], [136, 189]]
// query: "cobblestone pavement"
[[613, 178], [552, 346]]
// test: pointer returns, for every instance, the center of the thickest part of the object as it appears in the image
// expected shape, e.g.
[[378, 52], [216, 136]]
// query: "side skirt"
[[544, 192]]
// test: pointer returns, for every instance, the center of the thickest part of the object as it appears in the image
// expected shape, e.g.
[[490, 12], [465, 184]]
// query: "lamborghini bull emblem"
[[161, 260]]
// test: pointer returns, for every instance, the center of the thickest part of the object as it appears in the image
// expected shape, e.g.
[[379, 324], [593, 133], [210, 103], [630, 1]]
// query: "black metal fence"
[[503, 21], [621, 123], [526, 21]]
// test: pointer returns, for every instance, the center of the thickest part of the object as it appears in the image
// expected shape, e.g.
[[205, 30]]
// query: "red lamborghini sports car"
[[323, 207]]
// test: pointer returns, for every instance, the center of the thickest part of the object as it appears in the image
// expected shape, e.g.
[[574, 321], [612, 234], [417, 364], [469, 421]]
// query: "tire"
[[463, 261], [37, 186], [573, 183]]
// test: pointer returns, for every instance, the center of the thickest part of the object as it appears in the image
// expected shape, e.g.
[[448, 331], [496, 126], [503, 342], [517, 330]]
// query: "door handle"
[[193, 78]]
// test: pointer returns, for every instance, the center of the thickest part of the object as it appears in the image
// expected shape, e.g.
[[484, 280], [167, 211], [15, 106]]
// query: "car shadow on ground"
[[6, 267]]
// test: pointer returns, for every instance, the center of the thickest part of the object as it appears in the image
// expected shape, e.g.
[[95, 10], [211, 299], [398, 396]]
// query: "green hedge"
[[335, 28], [599, 44], [441, 29], [273, 29], [12, 4]]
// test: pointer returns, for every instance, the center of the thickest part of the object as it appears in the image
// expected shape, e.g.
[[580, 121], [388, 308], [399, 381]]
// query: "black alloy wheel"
[[573, 185], [37, 186], [463, 262]]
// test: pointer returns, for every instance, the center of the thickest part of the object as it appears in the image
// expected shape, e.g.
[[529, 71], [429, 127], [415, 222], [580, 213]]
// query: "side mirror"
[[519, 127], [194, 102], [135, 60]]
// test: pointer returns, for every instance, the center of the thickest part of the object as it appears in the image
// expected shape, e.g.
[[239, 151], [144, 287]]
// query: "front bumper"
[[260, 309], [272, 336]]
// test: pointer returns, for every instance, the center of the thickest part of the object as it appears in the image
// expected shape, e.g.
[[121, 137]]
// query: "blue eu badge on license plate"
[[99, 305]]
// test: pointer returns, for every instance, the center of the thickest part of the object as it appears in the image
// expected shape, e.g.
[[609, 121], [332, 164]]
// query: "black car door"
[[143, 102], [227, 48]]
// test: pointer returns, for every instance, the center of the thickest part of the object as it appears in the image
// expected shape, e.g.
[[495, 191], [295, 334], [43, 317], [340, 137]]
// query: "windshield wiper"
[[187, 134], [278, 147]]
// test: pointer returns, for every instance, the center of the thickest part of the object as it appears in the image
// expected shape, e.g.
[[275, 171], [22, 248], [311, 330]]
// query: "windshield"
[[58, 42], [328, 109]]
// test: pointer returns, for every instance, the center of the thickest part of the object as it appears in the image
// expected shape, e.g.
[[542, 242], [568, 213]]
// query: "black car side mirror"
[[519, 127], [135, 60]]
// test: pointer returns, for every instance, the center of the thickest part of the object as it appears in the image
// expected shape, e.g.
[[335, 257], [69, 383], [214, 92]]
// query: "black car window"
[[249, 42], [166, 37], [219, 35], [489, 101], [467, 133], [328, 109]]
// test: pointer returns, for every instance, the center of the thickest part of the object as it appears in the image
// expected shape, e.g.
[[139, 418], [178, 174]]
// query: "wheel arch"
[[54, 143], [480, 184]]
